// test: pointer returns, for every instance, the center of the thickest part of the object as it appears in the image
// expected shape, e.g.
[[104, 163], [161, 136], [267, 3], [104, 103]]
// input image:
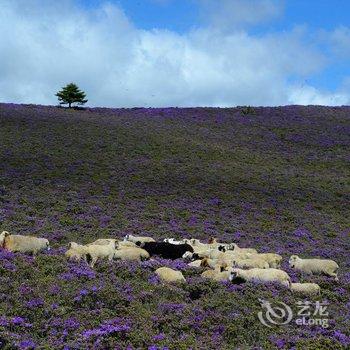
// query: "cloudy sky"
[[126, 53]]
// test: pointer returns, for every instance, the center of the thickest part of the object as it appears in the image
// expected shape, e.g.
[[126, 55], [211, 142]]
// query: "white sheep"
[[252, 262], [195, 263], [76, 252], [136, 239], [173, 241], [220, 273], [237, 249], [211, 263], [23, 244], [306, 288], [167, 274], [315, 266], [96, 252], [273, 260], [122, 244], [262, 275], [103, 241], [131, 253]]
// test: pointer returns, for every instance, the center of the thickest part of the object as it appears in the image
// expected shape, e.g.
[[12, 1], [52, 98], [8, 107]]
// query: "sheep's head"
[[292, 260], [223, 267], [235, 276], [204, 262], [3, 235], [212, 240], [222, 248], [126, 238], [72, 245], [231, 246], [47, 244], [188, 256]]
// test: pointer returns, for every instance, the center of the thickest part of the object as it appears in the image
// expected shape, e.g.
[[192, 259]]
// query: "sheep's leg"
[[93, 262]]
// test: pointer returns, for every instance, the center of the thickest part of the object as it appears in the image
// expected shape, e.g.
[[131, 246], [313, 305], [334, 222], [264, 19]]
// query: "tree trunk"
[[70, 103]]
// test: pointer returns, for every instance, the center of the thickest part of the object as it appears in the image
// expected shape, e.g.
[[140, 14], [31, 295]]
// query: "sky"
[[180, 53]]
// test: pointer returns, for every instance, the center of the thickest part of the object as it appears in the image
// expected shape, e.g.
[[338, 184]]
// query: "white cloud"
[[308, 95], [45, 45]]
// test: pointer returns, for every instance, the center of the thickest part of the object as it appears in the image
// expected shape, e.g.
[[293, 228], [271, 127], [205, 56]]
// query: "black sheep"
[[166, 250]]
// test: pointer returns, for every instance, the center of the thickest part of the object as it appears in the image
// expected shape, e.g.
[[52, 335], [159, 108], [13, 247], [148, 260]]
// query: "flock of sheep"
[[223, 261]]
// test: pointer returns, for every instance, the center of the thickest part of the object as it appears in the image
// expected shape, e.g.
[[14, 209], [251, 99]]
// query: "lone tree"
[[71, 94]]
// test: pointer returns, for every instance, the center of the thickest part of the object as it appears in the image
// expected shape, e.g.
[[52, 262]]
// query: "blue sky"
[[177, 52], [181, 15]]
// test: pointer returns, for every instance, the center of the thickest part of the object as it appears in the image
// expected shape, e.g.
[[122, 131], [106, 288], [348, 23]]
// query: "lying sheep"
[[273, 260], [262, 275], [166, 250], [253, 262], [131, 253], [315, 266], [76, 252], [242, 253], [95, 252], [218, 274], [234, 246], [211, 263], [195, 263], [136, 239], [23, 244], [167, 274], [306, 288], [173, 241]]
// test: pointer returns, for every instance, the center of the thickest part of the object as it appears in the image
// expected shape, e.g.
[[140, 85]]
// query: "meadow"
[[275, 179]]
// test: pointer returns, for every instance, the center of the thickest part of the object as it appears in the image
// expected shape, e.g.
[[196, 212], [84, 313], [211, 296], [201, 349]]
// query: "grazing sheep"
[[136, 239], [95, 252], [76, 252], [103, 241], [166, 250], [253, 262], [306, 288], [167, 274], [315, 266], [262, 275], [2, 237], [131, 253], [123, 244], [23, 244]]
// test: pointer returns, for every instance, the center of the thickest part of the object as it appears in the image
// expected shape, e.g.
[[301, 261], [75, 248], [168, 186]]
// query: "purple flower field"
[[276, 179]]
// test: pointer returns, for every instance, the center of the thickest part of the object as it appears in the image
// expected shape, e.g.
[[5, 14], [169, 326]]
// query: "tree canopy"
[[71, 94]]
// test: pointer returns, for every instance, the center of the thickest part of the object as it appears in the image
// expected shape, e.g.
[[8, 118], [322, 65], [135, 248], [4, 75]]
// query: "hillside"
[[276, 180]]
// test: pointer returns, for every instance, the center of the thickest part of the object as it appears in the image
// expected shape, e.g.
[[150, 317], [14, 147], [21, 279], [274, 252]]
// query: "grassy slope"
[[276, 180]]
